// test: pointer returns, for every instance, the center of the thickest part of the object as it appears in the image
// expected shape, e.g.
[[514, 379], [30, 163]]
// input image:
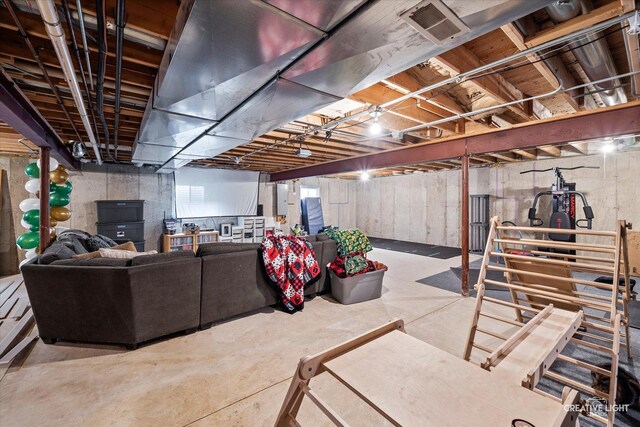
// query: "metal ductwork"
[[591, 51], [56, 34], [235, 70]]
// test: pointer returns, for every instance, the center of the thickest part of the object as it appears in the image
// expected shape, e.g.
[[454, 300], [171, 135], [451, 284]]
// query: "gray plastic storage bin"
[[363, 287]]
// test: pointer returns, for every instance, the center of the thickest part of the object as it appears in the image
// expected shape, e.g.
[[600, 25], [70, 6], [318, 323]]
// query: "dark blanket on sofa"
[[290, 263]]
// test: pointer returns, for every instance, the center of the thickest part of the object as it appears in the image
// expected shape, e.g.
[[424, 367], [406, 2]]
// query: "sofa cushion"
[[162, 257], [322, 237], [225, 247], [122, 254], [96, 262], [312, 238], [55, 252]]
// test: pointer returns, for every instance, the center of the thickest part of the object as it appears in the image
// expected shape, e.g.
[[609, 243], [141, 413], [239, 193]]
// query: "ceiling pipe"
[[56, 34], [120, 24], [87, 20], [593, 54], [85, 46], [463, 76], [36, 56], [101, 7], [74, 46], [558, 89]]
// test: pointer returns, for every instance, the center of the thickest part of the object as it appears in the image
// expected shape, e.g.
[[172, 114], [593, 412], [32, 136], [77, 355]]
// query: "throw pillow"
[[55, 252], [117, 253], [128, 246], [88, 255]]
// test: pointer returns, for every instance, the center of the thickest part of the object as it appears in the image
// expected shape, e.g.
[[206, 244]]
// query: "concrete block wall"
[[122, 182], [423, 208], [612, 191]]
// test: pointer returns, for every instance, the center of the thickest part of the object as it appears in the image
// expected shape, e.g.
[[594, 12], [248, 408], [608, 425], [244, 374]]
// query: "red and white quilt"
[[290, 263]]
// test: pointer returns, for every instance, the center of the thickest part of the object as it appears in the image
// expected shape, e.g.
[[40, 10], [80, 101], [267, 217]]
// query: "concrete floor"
[[234, 374]]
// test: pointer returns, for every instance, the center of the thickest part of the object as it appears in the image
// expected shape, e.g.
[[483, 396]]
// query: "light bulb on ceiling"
[[364, 176], [608, 148], [608, 145], [375, 128]]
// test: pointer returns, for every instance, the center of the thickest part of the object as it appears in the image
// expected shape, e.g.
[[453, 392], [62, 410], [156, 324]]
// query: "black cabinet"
[[122, 221]]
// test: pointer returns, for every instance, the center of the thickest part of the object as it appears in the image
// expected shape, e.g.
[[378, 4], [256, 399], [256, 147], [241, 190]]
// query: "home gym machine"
[[563, 209], [563, 216]]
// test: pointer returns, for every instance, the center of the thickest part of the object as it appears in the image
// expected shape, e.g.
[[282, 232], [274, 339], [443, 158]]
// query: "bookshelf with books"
[[187, 242]]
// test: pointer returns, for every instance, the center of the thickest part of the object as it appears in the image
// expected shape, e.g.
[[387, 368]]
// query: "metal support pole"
[[44, 199], [464, 227]]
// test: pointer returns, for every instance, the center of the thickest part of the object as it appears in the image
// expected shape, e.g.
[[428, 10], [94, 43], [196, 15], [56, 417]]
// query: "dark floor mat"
[[452, 280], [634, 314], [434, 251]]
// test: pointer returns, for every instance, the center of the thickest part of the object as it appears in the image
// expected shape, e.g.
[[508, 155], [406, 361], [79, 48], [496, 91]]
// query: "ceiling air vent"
[[435, 21]]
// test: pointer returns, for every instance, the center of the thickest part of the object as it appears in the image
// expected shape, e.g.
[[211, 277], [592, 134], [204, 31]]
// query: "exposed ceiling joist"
[[552, 151], [526, 154], [514, 34], [586, 20], [610, 121], [461, 59], [379, 94]]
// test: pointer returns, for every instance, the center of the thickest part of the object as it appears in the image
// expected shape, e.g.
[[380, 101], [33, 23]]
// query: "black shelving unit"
[[479, 222], [122, 221]]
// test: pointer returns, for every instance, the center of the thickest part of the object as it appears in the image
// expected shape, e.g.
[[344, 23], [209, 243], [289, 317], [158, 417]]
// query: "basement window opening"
[[309, 192]]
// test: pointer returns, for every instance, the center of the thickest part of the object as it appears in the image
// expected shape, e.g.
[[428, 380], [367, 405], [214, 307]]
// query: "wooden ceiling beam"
[[485, 159], [516, 37], [367, 144], [33, 25], [40, 97], [579, 147], [507, 157], [462, 59], [340, 138], [596, 16], [613, 121], [153, 17], [526, 154], [411, 83], [379, 94], [550, 150], [331, 149], [127, 96], [30, 68], [13, 46]]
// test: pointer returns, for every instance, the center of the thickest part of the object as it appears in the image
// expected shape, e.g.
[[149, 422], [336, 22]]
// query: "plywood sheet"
[[418, 384]]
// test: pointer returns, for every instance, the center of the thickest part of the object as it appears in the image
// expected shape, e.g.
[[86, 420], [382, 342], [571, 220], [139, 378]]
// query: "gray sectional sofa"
[[234, 281], [128, 302], [123, 302]]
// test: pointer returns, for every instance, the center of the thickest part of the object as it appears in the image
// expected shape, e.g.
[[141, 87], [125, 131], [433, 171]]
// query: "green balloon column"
[[60, 189]]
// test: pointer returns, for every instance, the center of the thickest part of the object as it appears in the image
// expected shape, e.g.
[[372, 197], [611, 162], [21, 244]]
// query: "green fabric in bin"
[[355, 264], [350, 241]]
